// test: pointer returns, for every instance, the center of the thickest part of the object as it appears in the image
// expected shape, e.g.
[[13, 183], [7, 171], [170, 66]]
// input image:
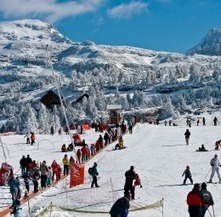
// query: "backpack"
[[90, 171], [206, 197]]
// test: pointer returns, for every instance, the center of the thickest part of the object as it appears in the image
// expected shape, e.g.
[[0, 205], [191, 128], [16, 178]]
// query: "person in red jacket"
[[54, 167], [194, 201]]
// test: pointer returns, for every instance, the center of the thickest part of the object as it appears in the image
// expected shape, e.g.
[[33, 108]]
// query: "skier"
[[204, 121], [121, 206], [44, 171], [14, 188], [28, 161], [92, 149], [32, 138], [23, 164], [206, 197], [63, 148], [71, 160], [27, 184], [27, 135], [94, 176], [215, 168], [35, 178], [187, 136], [130, 128], [215, 121], [66, 165], [79, 155], [59, 131], [188, 175], [217, 144], [49, 177], [52, 130], [121, 142], [202, 148], [54, 167], [130, 177], [170, 122], [106, 138], [194, 202], [70, 147]]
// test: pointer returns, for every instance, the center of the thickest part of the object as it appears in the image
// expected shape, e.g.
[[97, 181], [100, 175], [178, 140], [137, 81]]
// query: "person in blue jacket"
[[14, 185], [121, 206], [94, 174]]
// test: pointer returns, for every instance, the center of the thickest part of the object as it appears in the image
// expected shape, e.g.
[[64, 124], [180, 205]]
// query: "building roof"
[[114, 107]]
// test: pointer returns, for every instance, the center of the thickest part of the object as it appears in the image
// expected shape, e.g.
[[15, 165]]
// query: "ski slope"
[[159, 155]]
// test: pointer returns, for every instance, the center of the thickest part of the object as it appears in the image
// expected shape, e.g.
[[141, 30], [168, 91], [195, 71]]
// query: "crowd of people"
[[32, 171], [46, 175], [30, 138], [42, 174], [199, 200]]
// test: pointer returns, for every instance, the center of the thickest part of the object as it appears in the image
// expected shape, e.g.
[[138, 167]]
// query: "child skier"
[[137, 181], [49, 177], [188, 175]]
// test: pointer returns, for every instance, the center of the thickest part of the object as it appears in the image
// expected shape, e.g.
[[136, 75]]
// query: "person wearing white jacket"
[[215, 163]]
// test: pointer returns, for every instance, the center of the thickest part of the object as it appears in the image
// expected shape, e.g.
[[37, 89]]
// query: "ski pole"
[[207, 174], [210, 213], [213, 211]]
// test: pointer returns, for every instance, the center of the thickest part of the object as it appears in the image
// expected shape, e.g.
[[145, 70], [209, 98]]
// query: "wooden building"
[[114, 113], [50, 99]]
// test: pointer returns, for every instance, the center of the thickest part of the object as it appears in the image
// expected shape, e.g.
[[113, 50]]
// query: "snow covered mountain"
[[210, 44], [134, 77]]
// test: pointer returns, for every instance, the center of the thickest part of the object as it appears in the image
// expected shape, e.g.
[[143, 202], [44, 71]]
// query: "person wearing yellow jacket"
[[66, 165]]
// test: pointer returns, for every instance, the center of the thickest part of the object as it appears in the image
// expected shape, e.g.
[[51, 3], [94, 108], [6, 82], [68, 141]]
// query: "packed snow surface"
[[158, 153]]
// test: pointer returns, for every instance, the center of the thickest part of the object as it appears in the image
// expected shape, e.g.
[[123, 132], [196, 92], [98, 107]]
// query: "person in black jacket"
[[121, 205], [23, 164], [129, 187], [206, 197], [187, 136], [215, 120], [28, 161], [188, 175]]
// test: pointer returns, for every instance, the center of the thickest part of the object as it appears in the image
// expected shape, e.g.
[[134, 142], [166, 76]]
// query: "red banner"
[[76, 174], [4, 173]]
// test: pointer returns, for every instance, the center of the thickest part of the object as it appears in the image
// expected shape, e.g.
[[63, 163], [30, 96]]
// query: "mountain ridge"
[[34, 58], [209, 45]]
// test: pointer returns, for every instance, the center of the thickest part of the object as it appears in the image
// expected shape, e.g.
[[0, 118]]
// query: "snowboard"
[[119, 149], [201, 150]]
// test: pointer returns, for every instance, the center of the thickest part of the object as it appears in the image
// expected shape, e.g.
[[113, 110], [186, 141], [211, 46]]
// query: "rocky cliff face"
[[210, 44]]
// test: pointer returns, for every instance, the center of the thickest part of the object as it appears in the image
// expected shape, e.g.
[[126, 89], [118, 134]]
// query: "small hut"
[[50, 99], [114, 113]]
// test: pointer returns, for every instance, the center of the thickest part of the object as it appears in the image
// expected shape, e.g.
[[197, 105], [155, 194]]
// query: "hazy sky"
[[163, 25]]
